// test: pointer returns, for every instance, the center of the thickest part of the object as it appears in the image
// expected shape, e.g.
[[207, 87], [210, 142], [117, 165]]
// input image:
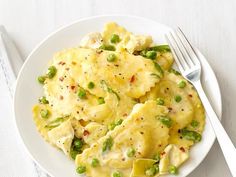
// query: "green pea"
[[151, 171], [78, 144], [151, 55], [101, 100], [95, 162], [190, 135], [194, 123], [43, 100], [174, 71], [182, 84], [130, 152], [157, 157], [81, 169], [173, 170], [107, 47], [160, 101], [115, 38], [116, 174], [81, 94], [73, 154], [41, 79], [111, 57], [91, 85], [52, 70], [178, 98], [166, 121], [107, 144], [44, 113]]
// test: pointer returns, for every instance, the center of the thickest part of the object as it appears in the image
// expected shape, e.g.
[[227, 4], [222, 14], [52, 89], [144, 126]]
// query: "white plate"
[[28, 91]]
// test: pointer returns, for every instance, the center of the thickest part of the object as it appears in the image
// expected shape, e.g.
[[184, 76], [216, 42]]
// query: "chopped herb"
[[111, 126], [173, 170], [194, 123], [182, 84], [111, 57], [152, 170], [116, 174], [160, 48], [43, 100], [156, 75], [41, 79], [157, 157], [81, 169], [81, 94], [95, 162], [190, 135], [114, 124], [107, 144], [101, 100], [166, 121], [130, 152], [160, 101], [159, 69], [115, 38], [143, 52], [174, 71], [107, 88], [178, 98], [107, 47], [44, 113], [52, 70], [56, 122], [91, 85]]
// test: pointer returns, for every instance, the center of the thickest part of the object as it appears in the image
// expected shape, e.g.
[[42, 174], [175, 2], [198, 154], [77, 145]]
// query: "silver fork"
[[190, 67]]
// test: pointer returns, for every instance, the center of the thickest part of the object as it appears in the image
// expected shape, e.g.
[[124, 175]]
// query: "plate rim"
[[90, 18]]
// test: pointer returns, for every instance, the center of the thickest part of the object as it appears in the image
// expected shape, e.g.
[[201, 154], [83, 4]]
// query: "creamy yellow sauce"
[[114, 106]]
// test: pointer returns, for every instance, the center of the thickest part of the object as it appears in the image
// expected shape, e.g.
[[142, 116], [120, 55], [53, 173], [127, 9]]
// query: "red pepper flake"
[[170, 109], [182, 149], [61, 97], [132, 79], [190, 95], [123, 159], [72, 87], [125, 114], [67, 69], [61, 63], [163, 153], [61, 78], [159, 145], [86, 133]]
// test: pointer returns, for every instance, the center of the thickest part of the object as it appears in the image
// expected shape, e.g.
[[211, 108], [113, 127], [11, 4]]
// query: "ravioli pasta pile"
[[116, 107]]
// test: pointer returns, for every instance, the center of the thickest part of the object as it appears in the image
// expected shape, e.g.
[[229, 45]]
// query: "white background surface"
[[210, 25]]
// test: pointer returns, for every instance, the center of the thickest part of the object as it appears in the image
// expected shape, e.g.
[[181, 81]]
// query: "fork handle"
[[226, 144]]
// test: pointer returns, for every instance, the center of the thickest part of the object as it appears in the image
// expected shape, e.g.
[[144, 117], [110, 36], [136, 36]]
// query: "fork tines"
[[184, 54]]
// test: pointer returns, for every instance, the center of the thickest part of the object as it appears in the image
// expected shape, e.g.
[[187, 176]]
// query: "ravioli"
[[183, 112], [115, 106], [141, 131]]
